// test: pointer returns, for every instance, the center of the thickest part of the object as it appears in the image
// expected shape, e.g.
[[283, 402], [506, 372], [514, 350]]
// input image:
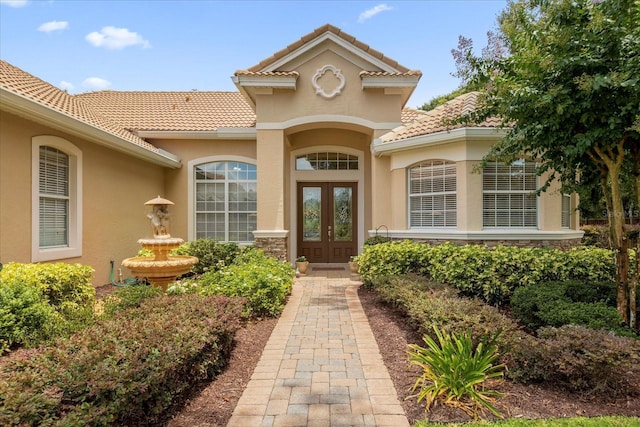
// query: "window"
[[508, 199], [327, 161], [226, 203], [56, 188], [566, 211], [432, 194]]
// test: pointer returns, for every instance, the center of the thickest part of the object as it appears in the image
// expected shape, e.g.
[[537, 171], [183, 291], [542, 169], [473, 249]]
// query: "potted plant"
[[353, 264], [302, 264]]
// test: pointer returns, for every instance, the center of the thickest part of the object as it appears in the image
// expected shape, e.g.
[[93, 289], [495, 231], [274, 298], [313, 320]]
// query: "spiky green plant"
[[455, 371]]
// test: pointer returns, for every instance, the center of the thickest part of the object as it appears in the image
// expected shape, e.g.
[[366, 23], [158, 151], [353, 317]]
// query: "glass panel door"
[[327, 221]]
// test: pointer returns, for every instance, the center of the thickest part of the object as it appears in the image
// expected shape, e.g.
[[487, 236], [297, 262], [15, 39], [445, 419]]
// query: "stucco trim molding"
[[514, 234], [320, 73], [270, 234], [380, 148], [220, 133], [325, 118]]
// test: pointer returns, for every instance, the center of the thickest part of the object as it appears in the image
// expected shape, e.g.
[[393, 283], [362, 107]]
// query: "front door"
[[327, 221]]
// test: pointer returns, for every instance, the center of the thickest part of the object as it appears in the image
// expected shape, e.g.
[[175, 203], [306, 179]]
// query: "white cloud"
[[96, 83], [14, 3], [48, 27], [66, 86], [116, 38], [370, 13]]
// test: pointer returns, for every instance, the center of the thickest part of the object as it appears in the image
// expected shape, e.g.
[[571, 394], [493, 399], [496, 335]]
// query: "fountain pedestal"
[[163, 268]]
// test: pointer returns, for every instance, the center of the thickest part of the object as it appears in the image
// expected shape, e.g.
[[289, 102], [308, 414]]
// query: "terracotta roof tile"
[[28, 86], [318, 32], [410, 115], [173, 111], [436, 120]]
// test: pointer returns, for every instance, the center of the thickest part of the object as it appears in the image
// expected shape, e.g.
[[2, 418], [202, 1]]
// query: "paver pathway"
[[321, 365]]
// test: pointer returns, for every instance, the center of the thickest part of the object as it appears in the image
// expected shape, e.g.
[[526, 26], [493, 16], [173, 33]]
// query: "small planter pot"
[[302, 266], [353, 266]]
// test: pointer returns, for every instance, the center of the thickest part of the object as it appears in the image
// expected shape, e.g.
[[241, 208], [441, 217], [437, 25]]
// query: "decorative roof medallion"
[[337, 82]]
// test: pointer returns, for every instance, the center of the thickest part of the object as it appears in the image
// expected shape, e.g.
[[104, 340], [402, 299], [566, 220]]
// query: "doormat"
[[327, 268]]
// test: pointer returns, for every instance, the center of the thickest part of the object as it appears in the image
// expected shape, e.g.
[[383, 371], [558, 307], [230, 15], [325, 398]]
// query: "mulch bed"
[[212, 404]]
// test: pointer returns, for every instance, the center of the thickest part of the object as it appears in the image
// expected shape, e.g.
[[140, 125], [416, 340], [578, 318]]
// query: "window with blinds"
[[566, 211], [508, 198], [226, 201], [432, 194], [54, 198]]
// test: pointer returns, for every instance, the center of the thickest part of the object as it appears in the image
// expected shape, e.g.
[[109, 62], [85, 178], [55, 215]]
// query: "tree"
[[569, 92]]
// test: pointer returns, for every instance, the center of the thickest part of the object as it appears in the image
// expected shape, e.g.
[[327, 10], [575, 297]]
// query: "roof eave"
[[220, 133], [378, 147], [26, 107]]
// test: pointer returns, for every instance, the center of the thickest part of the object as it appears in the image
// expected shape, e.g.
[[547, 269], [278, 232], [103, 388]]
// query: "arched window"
[[432, 194], [508, 195], [57, 194], [225, 201]]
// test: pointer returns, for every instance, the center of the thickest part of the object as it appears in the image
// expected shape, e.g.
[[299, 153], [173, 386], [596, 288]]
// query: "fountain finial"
[[159, 217]]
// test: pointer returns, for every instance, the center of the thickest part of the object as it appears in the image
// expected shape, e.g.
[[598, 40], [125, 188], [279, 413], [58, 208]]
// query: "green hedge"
[[40, 302], [124, 371], [572, 357], [262, 280], [491, 274], [572, 302]]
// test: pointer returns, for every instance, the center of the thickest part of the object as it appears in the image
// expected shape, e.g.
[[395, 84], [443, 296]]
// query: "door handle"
[[329, 232]]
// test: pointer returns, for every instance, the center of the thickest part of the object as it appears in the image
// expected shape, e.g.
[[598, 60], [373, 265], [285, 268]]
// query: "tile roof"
[[173, 111], [318, 32], [436, 120], [21, 83]]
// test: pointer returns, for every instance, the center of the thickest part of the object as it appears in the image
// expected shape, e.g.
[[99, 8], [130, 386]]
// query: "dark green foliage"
[[124, 371], [212, 255], [571, 302], [128, 297]]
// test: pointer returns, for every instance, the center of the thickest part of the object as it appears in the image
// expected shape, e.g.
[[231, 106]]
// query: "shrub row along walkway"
[[321, 365]]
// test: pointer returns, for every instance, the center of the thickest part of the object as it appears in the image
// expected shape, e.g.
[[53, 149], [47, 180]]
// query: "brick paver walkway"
[[321, 365]]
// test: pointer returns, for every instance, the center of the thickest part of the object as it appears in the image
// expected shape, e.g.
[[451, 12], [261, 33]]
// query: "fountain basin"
[[160, 272]]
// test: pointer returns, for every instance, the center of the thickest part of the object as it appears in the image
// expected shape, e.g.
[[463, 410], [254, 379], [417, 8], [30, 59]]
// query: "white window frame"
[[73, 247], [447, 181], [565, 215], [511, 191], [192, 226]]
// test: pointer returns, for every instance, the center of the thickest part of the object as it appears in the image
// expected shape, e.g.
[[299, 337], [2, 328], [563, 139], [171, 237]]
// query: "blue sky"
[[165, 45]]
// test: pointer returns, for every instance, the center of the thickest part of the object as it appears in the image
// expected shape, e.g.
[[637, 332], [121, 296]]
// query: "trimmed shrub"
[[128, 297], [25, 317], [393, 258], [262, 280], [556, 304], [65, 286], [40, 302], [490, 274], [584, 360], [124, 371], [212, 255]]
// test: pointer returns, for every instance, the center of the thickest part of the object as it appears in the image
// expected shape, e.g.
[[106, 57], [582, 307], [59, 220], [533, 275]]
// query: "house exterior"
[[315, 153]]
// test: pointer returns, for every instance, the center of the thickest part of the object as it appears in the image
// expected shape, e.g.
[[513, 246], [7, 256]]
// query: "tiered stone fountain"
[[162, 268]]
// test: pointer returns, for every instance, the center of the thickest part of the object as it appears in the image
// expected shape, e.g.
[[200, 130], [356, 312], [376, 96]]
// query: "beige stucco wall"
[[352, 101], [115, 189], [467, 155], [176, 181]]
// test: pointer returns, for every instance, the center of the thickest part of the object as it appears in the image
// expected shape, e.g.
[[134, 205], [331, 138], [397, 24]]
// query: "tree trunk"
[[612, 161]]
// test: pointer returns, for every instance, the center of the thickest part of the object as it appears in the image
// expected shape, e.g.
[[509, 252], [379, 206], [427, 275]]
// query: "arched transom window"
[[432, 194], [226, 202]]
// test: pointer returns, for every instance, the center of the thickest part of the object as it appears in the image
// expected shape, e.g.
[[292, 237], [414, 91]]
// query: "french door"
[[327, 221]]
